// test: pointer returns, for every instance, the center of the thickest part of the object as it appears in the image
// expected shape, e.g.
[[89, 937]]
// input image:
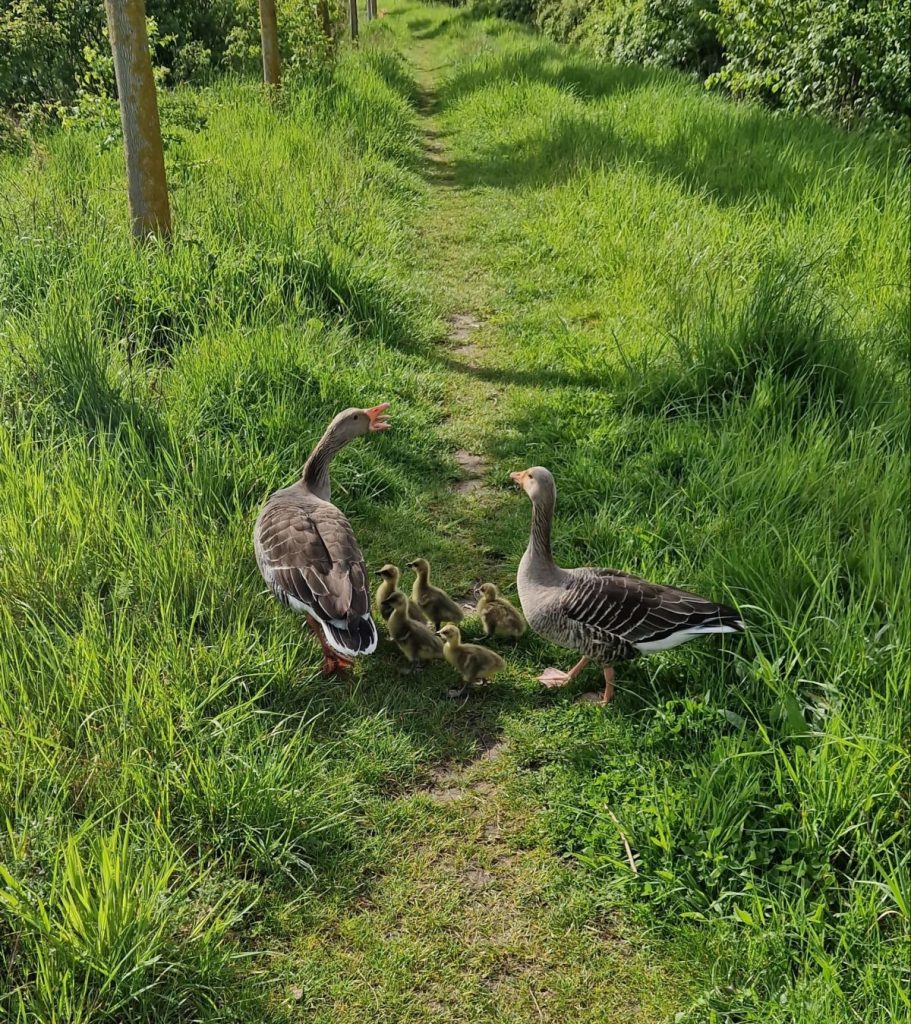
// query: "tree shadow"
[[535, 378], [584, 79], [550, 155], [726, 151], [424, 29]]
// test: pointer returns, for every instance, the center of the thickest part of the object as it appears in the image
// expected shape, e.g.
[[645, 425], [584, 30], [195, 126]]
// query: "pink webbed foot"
[[553, 677]]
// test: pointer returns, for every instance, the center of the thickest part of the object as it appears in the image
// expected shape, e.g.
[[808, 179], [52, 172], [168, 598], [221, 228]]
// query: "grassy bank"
[[701, 313], [169, 754], [694, 313]]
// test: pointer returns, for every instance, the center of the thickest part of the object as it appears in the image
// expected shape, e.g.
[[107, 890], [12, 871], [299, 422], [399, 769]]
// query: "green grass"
[[695, 313]]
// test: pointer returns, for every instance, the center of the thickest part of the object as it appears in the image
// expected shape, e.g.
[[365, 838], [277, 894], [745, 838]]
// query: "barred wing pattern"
[[311, 561], [613, 616]]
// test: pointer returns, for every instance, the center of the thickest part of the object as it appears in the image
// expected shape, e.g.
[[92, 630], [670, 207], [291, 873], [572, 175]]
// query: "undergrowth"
[[698, 322]]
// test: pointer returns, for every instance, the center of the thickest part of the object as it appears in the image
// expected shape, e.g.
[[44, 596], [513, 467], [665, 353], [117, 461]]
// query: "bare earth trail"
[[472, 917]]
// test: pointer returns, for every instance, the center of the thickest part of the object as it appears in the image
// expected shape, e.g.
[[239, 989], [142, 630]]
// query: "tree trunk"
[[322, 10], [147, 187], [371, 9], [352, 17], [268, 30]]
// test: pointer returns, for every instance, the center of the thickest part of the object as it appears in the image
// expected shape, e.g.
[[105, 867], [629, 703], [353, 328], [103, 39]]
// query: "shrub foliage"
[[49, 47], [840, 57]]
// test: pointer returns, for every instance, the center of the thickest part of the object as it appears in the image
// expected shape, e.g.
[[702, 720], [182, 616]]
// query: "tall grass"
[[170, 761], [699, 322], [711, 311]]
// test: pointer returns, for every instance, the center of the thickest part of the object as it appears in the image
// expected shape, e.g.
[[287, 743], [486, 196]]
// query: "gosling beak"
[[377, 572], [377, 420], [518, 478], [409, 565], [438, 632]]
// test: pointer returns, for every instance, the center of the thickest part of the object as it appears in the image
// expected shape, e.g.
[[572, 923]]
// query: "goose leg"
[[553, 677], [608, 692], [332, 662]]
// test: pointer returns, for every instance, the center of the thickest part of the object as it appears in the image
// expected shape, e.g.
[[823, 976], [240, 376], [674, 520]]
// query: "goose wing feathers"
[[310, 559], [637, 612]]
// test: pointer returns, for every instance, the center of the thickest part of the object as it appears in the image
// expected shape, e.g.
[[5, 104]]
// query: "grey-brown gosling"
[[473, 663], [498, 616], [415, 640], [436, 603], [390, 576]]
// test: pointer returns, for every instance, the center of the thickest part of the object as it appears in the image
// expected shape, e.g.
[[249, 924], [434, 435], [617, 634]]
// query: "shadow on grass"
[[734, 152], [533, 378]]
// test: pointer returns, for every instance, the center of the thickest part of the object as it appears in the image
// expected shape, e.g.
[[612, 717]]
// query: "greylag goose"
[[473, 662], [604, 614], [389, 574], [498, 616], [415, 640], [435, 603], [307, 552]]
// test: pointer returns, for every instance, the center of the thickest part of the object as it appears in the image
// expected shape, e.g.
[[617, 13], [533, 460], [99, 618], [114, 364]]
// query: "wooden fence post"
[[352, 17], [268, 30], [147, 187]]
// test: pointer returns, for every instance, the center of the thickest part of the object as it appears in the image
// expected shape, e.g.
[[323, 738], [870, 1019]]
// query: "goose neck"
[[316, 469], [539, 540]]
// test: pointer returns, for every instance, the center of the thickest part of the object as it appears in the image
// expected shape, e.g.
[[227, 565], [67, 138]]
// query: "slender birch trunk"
[[150, 213], [268, 30]]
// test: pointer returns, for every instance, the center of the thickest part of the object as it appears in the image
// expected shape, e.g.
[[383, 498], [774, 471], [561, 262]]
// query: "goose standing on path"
[[604, 614], [307, 552]]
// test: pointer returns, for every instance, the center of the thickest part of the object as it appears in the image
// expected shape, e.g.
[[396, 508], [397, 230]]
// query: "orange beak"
[[518, 478], [377, 420]]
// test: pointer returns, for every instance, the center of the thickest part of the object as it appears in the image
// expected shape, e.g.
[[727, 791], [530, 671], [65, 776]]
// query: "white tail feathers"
[[683, 635]]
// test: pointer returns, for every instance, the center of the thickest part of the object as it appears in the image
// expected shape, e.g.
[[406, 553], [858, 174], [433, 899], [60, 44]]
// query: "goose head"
[[351, 423], [538, 484]]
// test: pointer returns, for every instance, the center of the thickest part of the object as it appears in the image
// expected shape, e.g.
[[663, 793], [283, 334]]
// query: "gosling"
[[498, 616], [413, 639], [435, 603], [473, 662], [390, 576]]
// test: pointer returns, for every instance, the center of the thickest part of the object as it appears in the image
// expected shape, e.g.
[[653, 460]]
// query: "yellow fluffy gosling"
[[498, 616], [390, 576], [475, 664], [435, 603], [415, 640]]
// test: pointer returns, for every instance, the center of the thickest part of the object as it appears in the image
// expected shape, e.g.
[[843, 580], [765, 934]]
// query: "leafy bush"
[[49, 47], [840, 56], [675, 33]]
